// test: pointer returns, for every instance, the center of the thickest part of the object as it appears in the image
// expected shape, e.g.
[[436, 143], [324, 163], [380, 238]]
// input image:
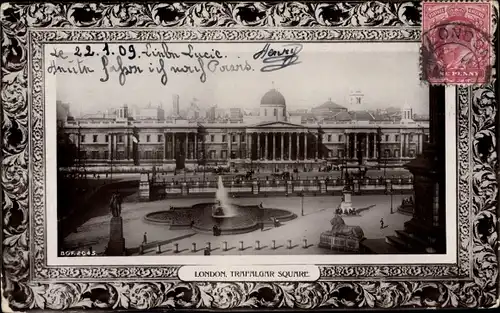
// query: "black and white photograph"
[[236, 149], [267, 155]]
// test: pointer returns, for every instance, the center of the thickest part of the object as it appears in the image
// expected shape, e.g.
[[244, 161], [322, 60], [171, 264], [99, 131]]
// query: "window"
[[106, 138], [341, 153], [358, 100], [396, 153], [106, 155], [212, 138], [160, 138], [95, 155], [243, 138], [148, 154], [223, 154], [426, 138], [94, 138], [341, 138], [410, 138], [224, 138], [412, 153], [387, 153], [330, 154], [120, 155], [275, 112], [159, 154], [233, 139], [212, 154], [148, 139], [82, 138], [397, 138], [329, 138], [83, 154], [386, 138], [120, 138]]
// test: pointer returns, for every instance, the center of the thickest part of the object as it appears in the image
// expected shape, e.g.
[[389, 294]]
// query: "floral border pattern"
[[380, 21]]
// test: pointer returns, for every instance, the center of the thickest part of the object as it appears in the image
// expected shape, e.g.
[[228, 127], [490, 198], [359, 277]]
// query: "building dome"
[[273, 97]]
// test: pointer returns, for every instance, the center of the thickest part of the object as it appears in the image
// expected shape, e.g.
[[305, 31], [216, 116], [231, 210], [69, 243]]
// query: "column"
[[238, 143], [282, 152], [266, 152], [355, 146], [367, 137], [298, 146], [258, 146], [401, 145], [115, 146], [249, 145], [289, 146], [110, 143], [173, 146], [274, 145], [195, 149], [348, 145], [317, 146], [229, 140], [305, 146], [375, 146], [421, 143], [127, 146], [164, 146], [186, 146]]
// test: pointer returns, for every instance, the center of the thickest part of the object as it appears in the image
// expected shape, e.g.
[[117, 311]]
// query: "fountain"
[[226, 217], [222, 209]]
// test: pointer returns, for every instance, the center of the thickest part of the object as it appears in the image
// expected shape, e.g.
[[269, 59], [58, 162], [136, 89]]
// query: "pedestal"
[[144, 187], [428, 222], [322, 186], [116, 244], [346, 203]]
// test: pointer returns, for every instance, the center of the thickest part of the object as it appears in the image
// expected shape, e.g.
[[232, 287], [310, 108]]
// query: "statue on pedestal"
[[115, 205], [116, 244]]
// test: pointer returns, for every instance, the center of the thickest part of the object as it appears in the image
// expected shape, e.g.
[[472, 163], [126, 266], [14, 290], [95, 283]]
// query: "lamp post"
[[302, 204], [391, 197]]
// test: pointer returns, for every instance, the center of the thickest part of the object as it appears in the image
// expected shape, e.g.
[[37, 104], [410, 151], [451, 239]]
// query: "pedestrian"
[[207, 251], [381, 223], [145, 238], [261, 226]]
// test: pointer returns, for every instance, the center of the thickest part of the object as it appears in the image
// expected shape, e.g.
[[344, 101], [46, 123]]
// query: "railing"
[[307, 182]]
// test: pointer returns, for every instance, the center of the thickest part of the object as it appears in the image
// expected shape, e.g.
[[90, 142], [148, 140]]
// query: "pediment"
[[278, 125]]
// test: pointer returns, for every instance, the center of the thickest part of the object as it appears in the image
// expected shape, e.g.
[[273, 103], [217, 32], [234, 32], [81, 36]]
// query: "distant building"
[[149, 113], [175, 105], [327, 109], [235, 114], [211, 113]]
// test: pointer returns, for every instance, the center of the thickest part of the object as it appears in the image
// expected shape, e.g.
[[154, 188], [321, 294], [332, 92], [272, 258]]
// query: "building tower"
[[175, 100], [273, 106], [406, 114], [356, 100]]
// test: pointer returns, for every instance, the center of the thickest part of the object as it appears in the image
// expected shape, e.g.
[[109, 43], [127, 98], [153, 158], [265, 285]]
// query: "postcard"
[[300, 155]]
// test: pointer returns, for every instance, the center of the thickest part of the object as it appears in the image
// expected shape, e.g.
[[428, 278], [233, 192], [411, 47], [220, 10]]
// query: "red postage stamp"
[[456, 43]]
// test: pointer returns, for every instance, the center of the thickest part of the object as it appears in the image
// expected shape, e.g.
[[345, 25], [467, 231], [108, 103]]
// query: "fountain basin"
[[200, 217]]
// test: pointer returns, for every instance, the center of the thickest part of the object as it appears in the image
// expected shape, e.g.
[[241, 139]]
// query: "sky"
[[386, 73]]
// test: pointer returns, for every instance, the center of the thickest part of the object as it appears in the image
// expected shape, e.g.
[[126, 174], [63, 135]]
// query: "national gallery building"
[[274, 139]]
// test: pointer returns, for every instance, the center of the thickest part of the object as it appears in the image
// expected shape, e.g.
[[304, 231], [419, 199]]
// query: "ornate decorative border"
[[22, 27]]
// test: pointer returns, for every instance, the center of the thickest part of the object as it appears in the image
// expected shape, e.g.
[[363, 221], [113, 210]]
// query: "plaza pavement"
[[317, 214]]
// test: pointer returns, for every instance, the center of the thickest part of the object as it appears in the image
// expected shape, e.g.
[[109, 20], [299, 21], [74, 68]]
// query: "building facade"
[[271, 142]]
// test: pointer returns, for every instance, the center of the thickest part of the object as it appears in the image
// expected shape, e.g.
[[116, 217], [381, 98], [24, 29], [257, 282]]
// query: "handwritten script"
[[120, 62], [278, 58]]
